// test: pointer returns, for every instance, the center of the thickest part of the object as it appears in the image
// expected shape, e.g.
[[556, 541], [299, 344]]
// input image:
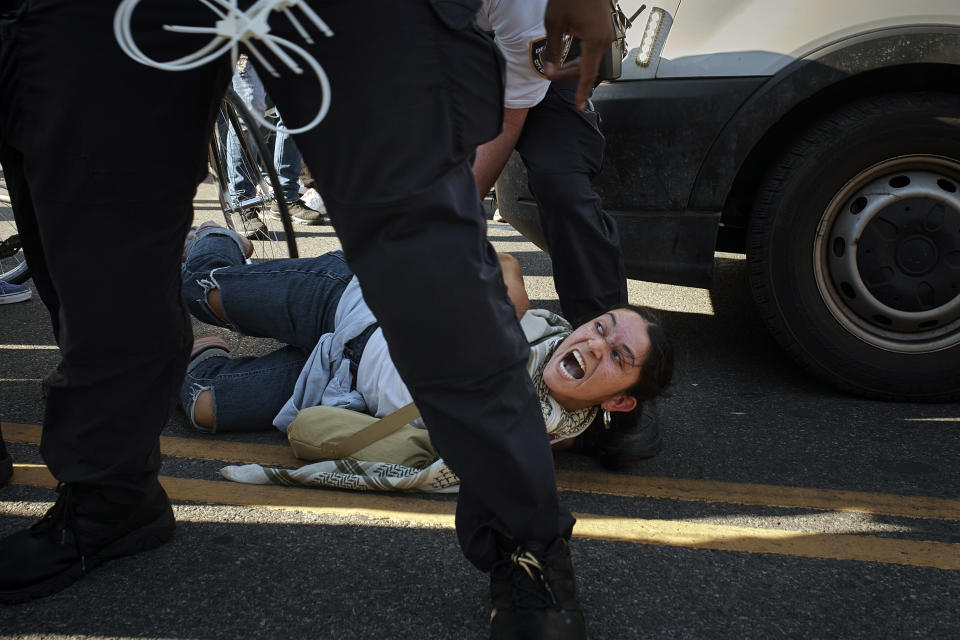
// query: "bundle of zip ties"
[[233, 27]]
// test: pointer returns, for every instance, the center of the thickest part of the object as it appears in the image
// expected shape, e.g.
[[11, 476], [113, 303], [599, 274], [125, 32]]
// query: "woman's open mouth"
[[572, 365]]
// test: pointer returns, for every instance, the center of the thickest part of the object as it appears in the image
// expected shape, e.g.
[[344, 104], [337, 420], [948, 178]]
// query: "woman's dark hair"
[[656, 370], [634, 435]]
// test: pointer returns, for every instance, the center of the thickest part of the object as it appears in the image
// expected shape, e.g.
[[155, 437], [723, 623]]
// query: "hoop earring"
[[606, 419]]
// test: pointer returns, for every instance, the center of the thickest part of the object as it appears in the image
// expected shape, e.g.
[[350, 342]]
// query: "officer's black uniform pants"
[[109, 154], [562, 148]]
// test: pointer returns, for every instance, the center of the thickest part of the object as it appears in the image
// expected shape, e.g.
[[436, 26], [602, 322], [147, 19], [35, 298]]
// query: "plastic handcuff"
[[233, 27]]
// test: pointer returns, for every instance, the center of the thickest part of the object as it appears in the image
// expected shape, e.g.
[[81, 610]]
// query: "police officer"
[[562, 148], [415, 90]]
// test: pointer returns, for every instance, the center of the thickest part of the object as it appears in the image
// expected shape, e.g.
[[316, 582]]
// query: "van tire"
[[853, 247]]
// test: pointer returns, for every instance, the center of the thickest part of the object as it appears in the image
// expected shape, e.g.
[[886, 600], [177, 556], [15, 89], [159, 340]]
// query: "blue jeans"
[[293, 301], [286, 156]]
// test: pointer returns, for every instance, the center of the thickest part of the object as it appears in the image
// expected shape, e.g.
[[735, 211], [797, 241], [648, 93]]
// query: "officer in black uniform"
[[562, 148], [86, 134]]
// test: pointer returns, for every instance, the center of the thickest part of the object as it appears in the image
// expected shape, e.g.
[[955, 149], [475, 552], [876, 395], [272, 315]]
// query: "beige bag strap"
[[376, 431]]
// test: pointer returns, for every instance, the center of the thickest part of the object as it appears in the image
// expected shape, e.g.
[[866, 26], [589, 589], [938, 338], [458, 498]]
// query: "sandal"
[[193, 236], [205, 342], [205, 347]]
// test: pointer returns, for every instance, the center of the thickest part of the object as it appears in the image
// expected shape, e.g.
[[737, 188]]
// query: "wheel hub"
[[903, 254], [889, 254], [917, 255]]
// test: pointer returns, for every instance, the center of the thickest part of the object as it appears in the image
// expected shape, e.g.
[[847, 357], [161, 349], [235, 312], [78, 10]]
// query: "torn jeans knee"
[[207, 284]]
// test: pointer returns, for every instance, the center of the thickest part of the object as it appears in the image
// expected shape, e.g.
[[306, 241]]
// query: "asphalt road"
[[778, 509]]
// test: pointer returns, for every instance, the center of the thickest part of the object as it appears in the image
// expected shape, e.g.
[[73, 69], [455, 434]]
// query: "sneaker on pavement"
[[249, 224], [10, 293], [302, 214], [534, 594], [81, 531], [6, 463]]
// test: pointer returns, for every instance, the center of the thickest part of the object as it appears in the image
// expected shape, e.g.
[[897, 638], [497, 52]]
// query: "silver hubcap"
[[887, 254]]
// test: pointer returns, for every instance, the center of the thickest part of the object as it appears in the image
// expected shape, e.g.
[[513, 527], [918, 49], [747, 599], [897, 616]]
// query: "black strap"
[[353, 351]]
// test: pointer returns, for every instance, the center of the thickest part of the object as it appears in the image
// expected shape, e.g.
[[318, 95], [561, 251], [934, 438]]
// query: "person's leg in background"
[[286, 157], [249, 88], [98, 212], [289, 161], [392, 160], [562, 149]]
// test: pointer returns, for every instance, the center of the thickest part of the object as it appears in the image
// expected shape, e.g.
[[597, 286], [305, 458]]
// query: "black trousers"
[[562, 148], [110, 153]]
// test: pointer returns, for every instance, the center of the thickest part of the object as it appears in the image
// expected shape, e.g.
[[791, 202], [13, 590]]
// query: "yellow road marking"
[[760, 494], [272, 455], [340, 503], [601, 483], [436, 513]]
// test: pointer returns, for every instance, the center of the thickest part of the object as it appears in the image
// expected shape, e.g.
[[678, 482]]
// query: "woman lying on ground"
[[336, 355]]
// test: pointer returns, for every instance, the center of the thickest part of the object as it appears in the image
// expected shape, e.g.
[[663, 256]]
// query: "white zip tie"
[[233, 27], [292, 17]]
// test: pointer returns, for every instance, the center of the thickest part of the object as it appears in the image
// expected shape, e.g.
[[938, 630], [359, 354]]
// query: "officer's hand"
[[588, 20]]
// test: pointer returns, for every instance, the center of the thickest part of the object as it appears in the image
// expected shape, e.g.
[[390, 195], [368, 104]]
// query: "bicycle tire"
[[13, 266], [272, 237]]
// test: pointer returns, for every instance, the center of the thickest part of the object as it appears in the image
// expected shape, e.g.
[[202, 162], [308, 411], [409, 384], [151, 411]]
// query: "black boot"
[[534, 594], [81, 531], [6, 463]]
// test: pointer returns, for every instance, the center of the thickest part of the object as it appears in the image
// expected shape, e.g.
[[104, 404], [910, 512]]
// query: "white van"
[[822, 139]]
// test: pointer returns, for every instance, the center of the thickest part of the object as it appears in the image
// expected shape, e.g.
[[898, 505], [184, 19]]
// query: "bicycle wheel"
[[259, 213], [13, 267]]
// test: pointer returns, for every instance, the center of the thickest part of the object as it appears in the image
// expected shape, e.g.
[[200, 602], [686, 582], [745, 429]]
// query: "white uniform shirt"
[[518, 29]]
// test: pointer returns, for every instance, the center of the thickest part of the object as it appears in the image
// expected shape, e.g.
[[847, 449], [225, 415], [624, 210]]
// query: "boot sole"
[[10, 298], [147, 537]]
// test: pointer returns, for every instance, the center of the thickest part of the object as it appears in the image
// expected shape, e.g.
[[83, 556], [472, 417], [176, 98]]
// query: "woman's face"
[[598, 362]]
